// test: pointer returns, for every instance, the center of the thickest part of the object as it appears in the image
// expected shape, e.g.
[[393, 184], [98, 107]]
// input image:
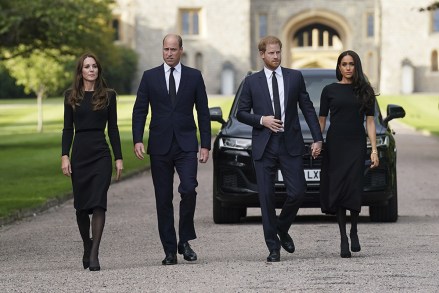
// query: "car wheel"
[[387, 213]]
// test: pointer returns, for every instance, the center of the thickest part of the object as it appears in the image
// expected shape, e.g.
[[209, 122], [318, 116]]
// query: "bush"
[[8, 88], [119, 69]]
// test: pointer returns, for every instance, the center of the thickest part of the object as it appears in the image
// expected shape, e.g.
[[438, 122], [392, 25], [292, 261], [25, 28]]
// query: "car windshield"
[[315, 85]]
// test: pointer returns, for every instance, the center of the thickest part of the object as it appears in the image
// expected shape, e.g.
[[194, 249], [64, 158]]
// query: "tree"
[[69, 26], [432, 6], [42, 72]]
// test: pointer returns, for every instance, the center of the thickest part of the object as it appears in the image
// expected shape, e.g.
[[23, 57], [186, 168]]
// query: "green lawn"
[[422, 111], [30, 162]]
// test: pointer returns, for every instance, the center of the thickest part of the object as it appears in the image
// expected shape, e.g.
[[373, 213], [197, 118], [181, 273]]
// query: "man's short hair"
[[180, 40], [262, 46]]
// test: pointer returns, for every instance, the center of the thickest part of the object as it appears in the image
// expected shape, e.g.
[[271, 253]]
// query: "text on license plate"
[[310, 175]]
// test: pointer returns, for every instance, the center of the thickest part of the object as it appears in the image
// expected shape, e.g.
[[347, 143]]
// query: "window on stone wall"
[[434, 61], [262, 25], [317, 35], [115, 24], [435, 20], [190, 21], [370, 25], [199, 61]]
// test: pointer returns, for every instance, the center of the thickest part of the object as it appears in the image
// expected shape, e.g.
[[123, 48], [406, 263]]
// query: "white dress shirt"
[[280, 83], [177, 75]]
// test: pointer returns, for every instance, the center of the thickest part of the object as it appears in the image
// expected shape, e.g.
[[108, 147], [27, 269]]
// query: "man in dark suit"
[[172, 90], [268, 103]]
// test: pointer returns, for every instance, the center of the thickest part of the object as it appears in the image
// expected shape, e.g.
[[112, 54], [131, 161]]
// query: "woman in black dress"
[[348, 101], [89, 107]]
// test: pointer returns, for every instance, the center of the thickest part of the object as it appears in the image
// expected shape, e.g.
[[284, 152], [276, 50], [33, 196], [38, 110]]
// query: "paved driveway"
[[43, 254]]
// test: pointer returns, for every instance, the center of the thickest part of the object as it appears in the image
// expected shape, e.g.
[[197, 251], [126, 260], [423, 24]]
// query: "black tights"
[[341, 219], [97, 227]]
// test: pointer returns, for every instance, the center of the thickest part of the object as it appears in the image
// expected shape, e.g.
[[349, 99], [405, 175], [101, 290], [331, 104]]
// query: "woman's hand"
[[374, 159], [119, 168], [65, 166]]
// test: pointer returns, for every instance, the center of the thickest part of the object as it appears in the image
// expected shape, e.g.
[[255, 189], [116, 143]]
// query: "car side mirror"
[[216, 114], [394, 111]]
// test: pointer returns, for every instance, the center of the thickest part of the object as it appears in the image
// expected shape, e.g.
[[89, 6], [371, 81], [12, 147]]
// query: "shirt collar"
[[177, 67], [269, 72]]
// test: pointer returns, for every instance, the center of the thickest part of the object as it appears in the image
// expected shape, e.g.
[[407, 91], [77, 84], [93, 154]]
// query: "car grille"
[[375, 178], [232, 179], [308, 161]]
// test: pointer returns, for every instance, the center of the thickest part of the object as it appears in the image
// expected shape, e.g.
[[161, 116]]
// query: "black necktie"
[[172, 89], [276, 100]]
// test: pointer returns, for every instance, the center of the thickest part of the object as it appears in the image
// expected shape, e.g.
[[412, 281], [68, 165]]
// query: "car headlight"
[[382, 140], [235, 143]]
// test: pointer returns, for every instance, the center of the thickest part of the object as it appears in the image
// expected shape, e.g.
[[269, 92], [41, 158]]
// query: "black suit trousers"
[[162, 169], [276, 157]]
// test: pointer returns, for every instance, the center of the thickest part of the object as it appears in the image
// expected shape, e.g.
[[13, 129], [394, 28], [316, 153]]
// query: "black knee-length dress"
[[342, 179], [91, 158]]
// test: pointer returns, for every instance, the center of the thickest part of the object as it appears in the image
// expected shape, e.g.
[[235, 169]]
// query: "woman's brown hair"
[[76, 94]]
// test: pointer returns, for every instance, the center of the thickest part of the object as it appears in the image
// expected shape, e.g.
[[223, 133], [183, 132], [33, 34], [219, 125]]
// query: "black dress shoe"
[[188, 253], [286, 241], [170, 259], [274, 256]]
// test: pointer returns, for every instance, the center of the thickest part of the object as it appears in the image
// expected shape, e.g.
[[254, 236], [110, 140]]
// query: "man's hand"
[[316, 148], [204, 155], [273, 124], [139, 150]]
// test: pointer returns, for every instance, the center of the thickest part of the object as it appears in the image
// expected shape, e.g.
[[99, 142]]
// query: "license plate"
[[310, 175]]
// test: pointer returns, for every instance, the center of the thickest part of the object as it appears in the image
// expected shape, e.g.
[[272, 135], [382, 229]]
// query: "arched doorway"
[[314, 39]]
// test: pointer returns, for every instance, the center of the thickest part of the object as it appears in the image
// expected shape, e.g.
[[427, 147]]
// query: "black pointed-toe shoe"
[[187, 252], [86, 256], [274, 256], [344, 248], [286, 241], [170, 259], [355, 242], [94, 266]]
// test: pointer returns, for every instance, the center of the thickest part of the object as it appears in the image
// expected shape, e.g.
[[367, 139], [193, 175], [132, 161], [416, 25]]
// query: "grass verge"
[[31, 174]]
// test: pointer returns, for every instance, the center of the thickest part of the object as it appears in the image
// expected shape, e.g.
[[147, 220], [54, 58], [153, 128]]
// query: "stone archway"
[[315, 38]]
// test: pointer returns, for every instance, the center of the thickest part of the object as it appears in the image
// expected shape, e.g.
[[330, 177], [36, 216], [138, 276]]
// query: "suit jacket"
[[168, 120], [256, 96]]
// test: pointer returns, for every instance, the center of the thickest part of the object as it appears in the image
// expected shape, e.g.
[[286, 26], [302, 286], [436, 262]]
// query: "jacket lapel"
[[265, 91], [286, 77], [161, 82], [182, 84]]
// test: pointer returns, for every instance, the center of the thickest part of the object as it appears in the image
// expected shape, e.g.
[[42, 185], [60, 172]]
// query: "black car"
[[234, 179]]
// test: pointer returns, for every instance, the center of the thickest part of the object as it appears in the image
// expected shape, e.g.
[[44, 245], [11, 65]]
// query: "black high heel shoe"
[[95, 266], [355, 242], [344, 248], [86, 256]]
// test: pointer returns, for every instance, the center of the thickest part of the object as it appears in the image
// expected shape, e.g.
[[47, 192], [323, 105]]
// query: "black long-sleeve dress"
[[342, 179], [91, 158]]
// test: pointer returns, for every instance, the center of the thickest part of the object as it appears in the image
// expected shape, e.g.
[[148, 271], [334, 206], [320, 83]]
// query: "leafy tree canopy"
[[433, 6], [70, 26]]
